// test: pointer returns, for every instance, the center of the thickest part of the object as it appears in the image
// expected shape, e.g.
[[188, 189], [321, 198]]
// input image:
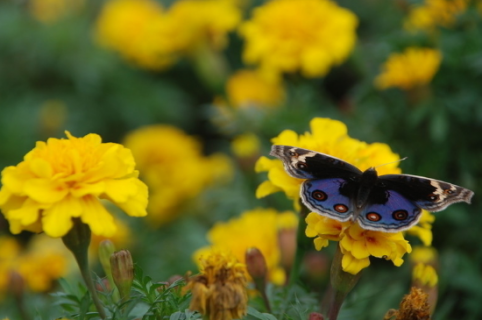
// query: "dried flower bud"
[[122, 271], [16, 284]]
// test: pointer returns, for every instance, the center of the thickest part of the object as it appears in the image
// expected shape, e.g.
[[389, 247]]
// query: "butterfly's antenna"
[[391, 162]]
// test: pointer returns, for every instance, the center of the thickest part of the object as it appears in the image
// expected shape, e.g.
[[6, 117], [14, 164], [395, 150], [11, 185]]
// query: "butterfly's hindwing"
[[324, 196], [306, 164], [395, 214], [429, 194]]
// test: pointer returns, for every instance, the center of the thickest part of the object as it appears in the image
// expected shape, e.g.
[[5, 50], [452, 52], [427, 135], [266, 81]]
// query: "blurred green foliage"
[[440, 133]]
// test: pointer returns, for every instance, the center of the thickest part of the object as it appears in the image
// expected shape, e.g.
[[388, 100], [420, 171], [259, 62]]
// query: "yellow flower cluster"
[[44, 261], [49, 11], [173, 166], [434, 13], [257, 228], [356, 244], [154, 37], [64, 179], [425, 275], [414, 67], [219, 291], [309, 36]]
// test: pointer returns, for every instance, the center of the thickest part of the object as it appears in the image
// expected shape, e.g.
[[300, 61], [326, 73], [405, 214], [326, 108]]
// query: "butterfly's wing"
[[306, 164], [388, 211], [329, 197], [396, 201], [429, 194]]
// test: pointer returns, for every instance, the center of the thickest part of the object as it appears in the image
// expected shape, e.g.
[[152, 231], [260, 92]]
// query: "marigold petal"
[[423, 234], [266, 188], [264, 164], [26, 214], [321, 126], [45, 191], [379, 247], [352, 265], [83, 189], [320, 243], [136, 204], [287, 137], [41, 168], [57, 220], [359, 250], [97, 217], [12, 180], [120, 190]]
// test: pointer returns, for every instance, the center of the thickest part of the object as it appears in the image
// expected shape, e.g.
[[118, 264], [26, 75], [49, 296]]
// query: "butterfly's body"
[[339, 190]]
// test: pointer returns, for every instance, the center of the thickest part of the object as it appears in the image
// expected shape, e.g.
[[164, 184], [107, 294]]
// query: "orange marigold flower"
[[62, 179], [219, 291]]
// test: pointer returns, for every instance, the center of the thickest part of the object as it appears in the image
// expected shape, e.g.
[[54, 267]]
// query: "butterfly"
[[389, 203]]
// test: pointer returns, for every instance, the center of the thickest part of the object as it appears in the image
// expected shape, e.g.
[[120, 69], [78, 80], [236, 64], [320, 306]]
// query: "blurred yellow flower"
[[414, 67], [154, 38], [356, 244], [255, 228], [424, 254], [434, 13], [44, 261], [48, 11], [219, 291], [173, 166], [247, 88], [246, 145], [205, 22], [309, 36], [140, 31], [423, 229], [337, 143], [66, 178], [425, 275]]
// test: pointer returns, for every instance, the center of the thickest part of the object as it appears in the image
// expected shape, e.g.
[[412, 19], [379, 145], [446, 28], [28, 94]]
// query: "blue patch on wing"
[[323, 197]]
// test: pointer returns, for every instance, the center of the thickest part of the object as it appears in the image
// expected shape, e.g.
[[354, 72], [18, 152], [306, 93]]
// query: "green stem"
[[77, 240], [302, 245], [341, 283]]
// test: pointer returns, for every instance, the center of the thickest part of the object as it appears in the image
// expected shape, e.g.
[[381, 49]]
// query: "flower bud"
[[315, 316], [256, 265], [122, 271], [106, 249], [16, 284]]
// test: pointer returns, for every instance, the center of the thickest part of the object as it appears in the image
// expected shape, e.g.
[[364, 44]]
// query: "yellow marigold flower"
[[206, 21], [66, 178], [219, 291], [173, 166], [414, 67], [48, 11], [255, 228], [425, 275], [247, 88], [356, 244], [140, 31], [292, 35], [44, 261], [246, 145], [434, 13], [337, 144]]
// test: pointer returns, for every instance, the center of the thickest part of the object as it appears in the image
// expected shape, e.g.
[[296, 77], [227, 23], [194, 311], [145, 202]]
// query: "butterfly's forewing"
[[394, 213], [430, 194], [324, 196], [306, 164]]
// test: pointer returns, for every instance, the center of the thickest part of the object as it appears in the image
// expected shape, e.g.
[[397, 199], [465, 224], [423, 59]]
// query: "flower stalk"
[[341, 283], [77, 240], [302, 245], [258, 270]]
